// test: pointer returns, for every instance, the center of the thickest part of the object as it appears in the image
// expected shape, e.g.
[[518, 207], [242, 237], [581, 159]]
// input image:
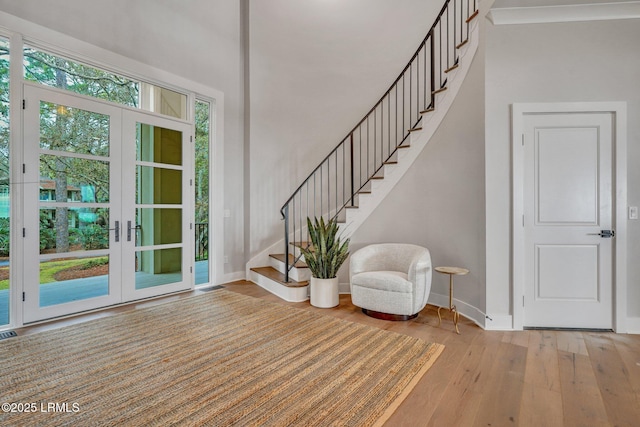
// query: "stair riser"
[[297, 274], [288, 294]]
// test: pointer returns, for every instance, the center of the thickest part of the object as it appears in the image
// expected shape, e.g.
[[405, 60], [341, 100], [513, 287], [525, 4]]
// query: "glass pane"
[[158, 145], [73, 229], [55, 71], [4, 181], [158, 186], [158, 267], [73, 130], [70, 179], [159, 226], [162, 100], [202, 192], [64, 280]]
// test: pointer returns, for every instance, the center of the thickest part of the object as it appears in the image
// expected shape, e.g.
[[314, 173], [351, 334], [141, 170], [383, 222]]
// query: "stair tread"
[[300, 244], [462, 43], [415, 129], [473, 15], [428, 110], [273, 274], [442, 89], [453, 67], [281, 258]]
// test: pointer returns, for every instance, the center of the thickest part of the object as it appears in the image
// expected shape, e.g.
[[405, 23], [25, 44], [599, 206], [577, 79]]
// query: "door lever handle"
[[605, 234], [129, 228], [117, 231]]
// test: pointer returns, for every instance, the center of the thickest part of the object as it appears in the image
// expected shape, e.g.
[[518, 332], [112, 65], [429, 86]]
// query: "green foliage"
[[95, 262], [327, 252], [4, 236], [94, 237], [202, 162]]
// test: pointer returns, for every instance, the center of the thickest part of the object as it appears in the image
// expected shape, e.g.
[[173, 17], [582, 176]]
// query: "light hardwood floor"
[[490, 378]]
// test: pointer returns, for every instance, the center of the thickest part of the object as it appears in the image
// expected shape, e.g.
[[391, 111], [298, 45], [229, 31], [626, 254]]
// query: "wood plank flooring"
[[492, 378]]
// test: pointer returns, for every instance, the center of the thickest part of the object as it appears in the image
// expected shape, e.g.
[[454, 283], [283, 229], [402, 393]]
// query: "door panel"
[[157, 206], [568, 200], [72, 172]]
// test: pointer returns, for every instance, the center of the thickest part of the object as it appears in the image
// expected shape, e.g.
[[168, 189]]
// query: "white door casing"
[[569, 183]]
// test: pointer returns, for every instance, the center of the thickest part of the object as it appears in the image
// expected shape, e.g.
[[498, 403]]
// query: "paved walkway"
[[90, 287]]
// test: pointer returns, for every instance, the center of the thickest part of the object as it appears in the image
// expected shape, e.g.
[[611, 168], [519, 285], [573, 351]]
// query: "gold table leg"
[[452, 308]]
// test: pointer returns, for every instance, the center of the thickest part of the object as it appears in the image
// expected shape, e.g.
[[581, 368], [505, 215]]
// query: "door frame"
[[619, 216], [118, 295]]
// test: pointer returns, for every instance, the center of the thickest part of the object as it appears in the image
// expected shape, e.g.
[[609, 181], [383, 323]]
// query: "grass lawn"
[[49, 269]]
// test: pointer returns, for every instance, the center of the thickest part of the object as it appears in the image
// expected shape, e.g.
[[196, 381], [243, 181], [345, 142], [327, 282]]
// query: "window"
[[4, 181], [56, 71]]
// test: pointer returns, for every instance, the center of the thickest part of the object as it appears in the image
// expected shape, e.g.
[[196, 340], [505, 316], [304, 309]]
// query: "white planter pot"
[[324, 292]]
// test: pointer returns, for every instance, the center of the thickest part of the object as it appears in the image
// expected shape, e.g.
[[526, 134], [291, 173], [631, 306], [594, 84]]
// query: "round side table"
[[451, 271]]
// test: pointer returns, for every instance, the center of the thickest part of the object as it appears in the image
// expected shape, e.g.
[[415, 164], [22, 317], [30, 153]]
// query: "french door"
[[106, 204]]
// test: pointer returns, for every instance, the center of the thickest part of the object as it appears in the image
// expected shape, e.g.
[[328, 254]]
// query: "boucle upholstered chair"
[[391, 281]]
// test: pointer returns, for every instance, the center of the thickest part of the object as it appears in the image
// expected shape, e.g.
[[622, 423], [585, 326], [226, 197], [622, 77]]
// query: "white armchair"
[[390, 281]]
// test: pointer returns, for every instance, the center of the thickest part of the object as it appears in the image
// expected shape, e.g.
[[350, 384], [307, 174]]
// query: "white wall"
[[317, 67], [561, 62], [198, 40]]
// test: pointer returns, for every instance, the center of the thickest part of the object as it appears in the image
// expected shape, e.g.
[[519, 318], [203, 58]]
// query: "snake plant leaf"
[[327, 251]]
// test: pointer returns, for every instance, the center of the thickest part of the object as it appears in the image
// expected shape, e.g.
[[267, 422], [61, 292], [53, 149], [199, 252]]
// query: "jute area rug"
[[215, 359]]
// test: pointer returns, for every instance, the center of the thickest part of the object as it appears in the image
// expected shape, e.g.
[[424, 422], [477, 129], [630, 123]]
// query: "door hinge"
[[24, 104], [191, 226], [24, 232], [190, 183], [523, 220], [191, 269], [523, 300], [523, 139], [24, 297], [191, 138], [24, 168]]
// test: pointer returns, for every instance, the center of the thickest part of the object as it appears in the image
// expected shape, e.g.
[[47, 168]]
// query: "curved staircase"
[[359, 173]]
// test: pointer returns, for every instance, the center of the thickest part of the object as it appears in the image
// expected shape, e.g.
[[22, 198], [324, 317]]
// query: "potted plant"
[[324, 257]]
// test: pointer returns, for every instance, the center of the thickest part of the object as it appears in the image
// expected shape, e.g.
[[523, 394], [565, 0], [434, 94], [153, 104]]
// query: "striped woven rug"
[[215, 359]]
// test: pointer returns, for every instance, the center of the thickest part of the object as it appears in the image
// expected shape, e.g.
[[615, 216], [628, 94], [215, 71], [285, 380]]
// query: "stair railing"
[[331, 188]]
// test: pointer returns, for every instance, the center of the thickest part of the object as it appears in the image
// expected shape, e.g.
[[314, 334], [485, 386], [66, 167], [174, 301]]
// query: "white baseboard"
[[633, 325], [232, 277], [499, 322], [344, 288], [467, 310]]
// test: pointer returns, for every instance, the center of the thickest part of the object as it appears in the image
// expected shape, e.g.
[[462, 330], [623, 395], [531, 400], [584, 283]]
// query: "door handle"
[[117, 231], [129, 228], [605, 234]]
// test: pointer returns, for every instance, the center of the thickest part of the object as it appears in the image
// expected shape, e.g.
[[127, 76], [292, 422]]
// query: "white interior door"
[[568, 211], [107, 204]]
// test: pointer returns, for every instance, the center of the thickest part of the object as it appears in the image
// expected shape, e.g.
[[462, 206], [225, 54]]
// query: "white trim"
[[633, 325], [232, 277], [619, 110], [16, 272], [465, 309], [500, 322], [564, 13]]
